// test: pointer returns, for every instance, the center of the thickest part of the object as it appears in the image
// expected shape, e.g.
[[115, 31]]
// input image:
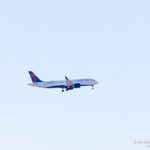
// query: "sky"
[[104, 40]]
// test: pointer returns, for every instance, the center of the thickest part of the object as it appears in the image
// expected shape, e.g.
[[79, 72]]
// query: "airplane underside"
[[69, 88]]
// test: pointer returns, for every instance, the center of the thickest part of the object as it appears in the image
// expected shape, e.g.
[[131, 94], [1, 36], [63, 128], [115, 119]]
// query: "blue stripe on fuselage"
[[62, 86], [58, 86]]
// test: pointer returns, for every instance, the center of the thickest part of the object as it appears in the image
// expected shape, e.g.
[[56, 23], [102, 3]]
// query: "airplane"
[[63, 84]]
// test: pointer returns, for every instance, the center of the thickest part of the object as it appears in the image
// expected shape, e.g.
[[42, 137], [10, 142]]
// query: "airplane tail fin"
[[34, 78]]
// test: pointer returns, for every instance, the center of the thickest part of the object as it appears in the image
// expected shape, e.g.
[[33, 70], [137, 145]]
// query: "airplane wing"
[[68, 83]]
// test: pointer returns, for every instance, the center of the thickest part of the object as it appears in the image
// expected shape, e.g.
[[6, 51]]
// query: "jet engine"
[[77, 85]]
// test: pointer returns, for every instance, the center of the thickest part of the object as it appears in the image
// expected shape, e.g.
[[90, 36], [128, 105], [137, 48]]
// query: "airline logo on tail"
[[34, 78]]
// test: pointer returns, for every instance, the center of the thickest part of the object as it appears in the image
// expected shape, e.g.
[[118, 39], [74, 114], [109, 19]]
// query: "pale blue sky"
[[105, 40]]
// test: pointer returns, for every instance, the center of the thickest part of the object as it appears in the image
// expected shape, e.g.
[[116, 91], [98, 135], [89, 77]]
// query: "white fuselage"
[[62, 83]]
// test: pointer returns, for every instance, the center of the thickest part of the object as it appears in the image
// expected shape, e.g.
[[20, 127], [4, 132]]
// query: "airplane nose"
[[96, 82]]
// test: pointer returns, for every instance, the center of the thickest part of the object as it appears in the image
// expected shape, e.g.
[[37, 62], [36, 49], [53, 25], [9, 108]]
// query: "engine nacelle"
[[77, 85]]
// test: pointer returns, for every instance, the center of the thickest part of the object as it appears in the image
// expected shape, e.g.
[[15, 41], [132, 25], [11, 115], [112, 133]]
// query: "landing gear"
[[92, 87], [63, 90]]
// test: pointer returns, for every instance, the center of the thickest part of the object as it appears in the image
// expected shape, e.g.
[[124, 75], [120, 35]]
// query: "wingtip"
[[66, 78]]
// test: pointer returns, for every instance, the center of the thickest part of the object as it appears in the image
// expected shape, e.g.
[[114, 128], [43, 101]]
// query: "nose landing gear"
[[92, 87], [63, 90]]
